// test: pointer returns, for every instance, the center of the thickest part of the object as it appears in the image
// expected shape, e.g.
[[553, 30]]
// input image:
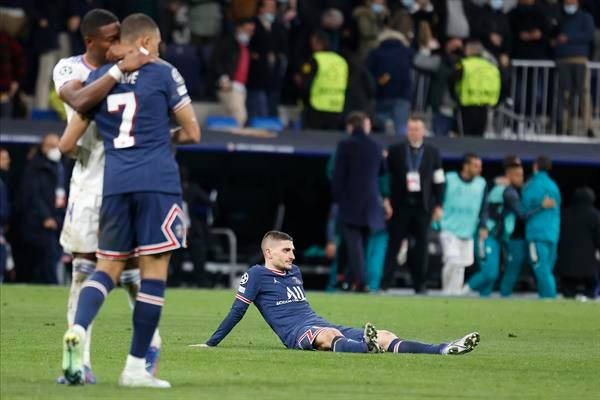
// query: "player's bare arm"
[[74, 130], [83, 98], [189, 131]]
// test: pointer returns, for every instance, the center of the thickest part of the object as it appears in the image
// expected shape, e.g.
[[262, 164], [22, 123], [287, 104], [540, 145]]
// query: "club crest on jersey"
[[176, 76], [244, 279], [65, 70]]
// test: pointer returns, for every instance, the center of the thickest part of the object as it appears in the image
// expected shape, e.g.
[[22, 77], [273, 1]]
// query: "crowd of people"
[[512, 222], [333, 56]]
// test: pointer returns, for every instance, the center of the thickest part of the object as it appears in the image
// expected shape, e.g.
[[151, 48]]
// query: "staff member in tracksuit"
[[504, 208], [542, 229]]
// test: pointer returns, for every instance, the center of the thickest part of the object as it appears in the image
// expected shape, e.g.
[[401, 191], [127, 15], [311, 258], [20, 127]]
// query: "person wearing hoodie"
[[42, 202], [542, 229], [390, 65], [578, 264], [370, 18]]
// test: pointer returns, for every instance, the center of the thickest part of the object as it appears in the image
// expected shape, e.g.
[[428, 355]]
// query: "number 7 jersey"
[[134, 122]]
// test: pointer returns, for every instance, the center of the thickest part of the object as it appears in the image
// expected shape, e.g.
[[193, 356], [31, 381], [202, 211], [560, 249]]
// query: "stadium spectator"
[[360, 94], [12, 71], [355, 188], [229, 66], [572, 48], [390, 65], [323, 82], [578, 265], [370, 18], [426, 24], [242, 9], [205, 23], [332, 23], [491, 26], [465, 215], [295, 322], [4, 209], [454, 19], [268, 61], [477, 84], [41, 207], [417, 190], [530, 31], [439, 97], [542, 229]]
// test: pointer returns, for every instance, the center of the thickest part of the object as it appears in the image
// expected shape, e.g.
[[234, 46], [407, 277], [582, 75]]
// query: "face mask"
[[243, 38], [269, 17], [377, 8], [570, 9], [408, 3], [496, 4], [54, 155]]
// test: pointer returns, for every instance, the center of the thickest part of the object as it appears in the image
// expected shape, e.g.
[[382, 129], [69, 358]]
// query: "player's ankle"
[[135, 364]]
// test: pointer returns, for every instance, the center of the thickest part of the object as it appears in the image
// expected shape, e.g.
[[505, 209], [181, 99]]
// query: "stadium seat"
[[220, 122], [41, 115], [269, 123]]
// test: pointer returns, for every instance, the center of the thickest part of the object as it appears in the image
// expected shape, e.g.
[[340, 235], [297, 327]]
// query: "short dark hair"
[[511, 162], [356, 119], [321, 37], [95, 19], [414, 117], [543, 163], [470, 156], [137, 25], [275, 236]]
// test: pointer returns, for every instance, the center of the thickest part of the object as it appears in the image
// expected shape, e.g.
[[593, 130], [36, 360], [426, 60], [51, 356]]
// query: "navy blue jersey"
[[279, 297], [134, 122]]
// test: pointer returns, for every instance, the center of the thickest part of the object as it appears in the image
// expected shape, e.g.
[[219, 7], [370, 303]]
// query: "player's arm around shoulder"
[[73, 132]]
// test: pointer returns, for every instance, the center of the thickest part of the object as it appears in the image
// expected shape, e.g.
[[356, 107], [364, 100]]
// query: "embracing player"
[[276, 288], [100, 31], [141, 211]]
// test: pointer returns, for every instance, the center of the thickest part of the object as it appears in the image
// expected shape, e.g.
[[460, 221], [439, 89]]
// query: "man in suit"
[[417, 190], [355, 184]]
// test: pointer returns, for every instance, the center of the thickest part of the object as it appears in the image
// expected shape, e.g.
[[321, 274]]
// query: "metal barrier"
[[534, 103]]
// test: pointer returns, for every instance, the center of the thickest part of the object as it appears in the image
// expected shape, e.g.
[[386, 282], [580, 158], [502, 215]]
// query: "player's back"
[[134, 122]]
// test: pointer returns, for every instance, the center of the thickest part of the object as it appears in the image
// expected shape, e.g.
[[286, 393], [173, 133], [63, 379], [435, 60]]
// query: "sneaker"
[[72, 364], [143, 379], [89, 377], [462, 346], [370, 337], [152, 358]]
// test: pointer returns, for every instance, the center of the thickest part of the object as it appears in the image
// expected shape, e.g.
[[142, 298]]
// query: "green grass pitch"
[[529, 350]]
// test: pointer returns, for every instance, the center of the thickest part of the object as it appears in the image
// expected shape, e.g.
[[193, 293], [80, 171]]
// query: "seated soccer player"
[[277, 290]]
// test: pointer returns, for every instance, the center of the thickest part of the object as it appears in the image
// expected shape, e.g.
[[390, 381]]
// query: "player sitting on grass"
[[277, 290]]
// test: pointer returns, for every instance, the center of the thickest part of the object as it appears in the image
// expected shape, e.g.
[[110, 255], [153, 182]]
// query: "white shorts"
[[459, 252], [80, 229]]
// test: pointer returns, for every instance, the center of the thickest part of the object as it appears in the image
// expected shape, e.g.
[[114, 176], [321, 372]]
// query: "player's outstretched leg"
[[463, 345], [131, 281], [370, 337]]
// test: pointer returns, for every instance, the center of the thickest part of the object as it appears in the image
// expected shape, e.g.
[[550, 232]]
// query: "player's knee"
[[325, 338]]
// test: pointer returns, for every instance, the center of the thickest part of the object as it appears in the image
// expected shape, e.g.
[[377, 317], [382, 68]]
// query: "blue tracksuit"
[[542, 230]]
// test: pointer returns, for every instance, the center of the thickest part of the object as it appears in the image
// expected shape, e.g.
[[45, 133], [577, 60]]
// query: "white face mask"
[[243, 38], [269, 17], [54, 155], [496, 4], [570, 9]]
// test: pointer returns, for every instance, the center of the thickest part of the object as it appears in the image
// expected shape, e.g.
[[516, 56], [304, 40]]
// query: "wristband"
[[116, 73]]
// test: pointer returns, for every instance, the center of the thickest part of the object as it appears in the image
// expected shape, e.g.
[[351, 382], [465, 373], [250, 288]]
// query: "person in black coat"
[[355, 185], [578, 245], [41, 204], [417, 191]]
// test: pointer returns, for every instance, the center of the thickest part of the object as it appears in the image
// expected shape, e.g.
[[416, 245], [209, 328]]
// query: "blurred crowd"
[[332, 56]]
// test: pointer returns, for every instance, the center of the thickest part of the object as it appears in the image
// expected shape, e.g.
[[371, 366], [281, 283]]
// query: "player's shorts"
[[80, 229], [140, 223], [307, 334], [458, 251]]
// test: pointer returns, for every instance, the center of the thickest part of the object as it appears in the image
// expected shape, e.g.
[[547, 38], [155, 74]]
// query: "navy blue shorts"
[[307, 334], [142, 223]]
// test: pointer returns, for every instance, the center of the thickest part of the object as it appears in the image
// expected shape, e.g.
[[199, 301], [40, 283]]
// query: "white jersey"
[[88, 173]]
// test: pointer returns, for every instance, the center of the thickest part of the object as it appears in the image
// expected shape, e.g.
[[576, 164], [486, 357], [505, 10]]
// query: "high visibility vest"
[[328, 91], [480, 83]]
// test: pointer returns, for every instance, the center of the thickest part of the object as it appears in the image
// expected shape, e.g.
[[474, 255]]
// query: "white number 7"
[[127, 100]]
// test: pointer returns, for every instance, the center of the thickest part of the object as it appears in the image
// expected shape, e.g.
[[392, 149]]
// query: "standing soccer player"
[[277, 290], [464, 212], [141, 204], [100, 31]]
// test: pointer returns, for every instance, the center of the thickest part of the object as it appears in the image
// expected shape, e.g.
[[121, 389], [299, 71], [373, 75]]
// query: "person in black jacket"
[[579, 244], [42, 201], [417, 190], [355, 184]]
